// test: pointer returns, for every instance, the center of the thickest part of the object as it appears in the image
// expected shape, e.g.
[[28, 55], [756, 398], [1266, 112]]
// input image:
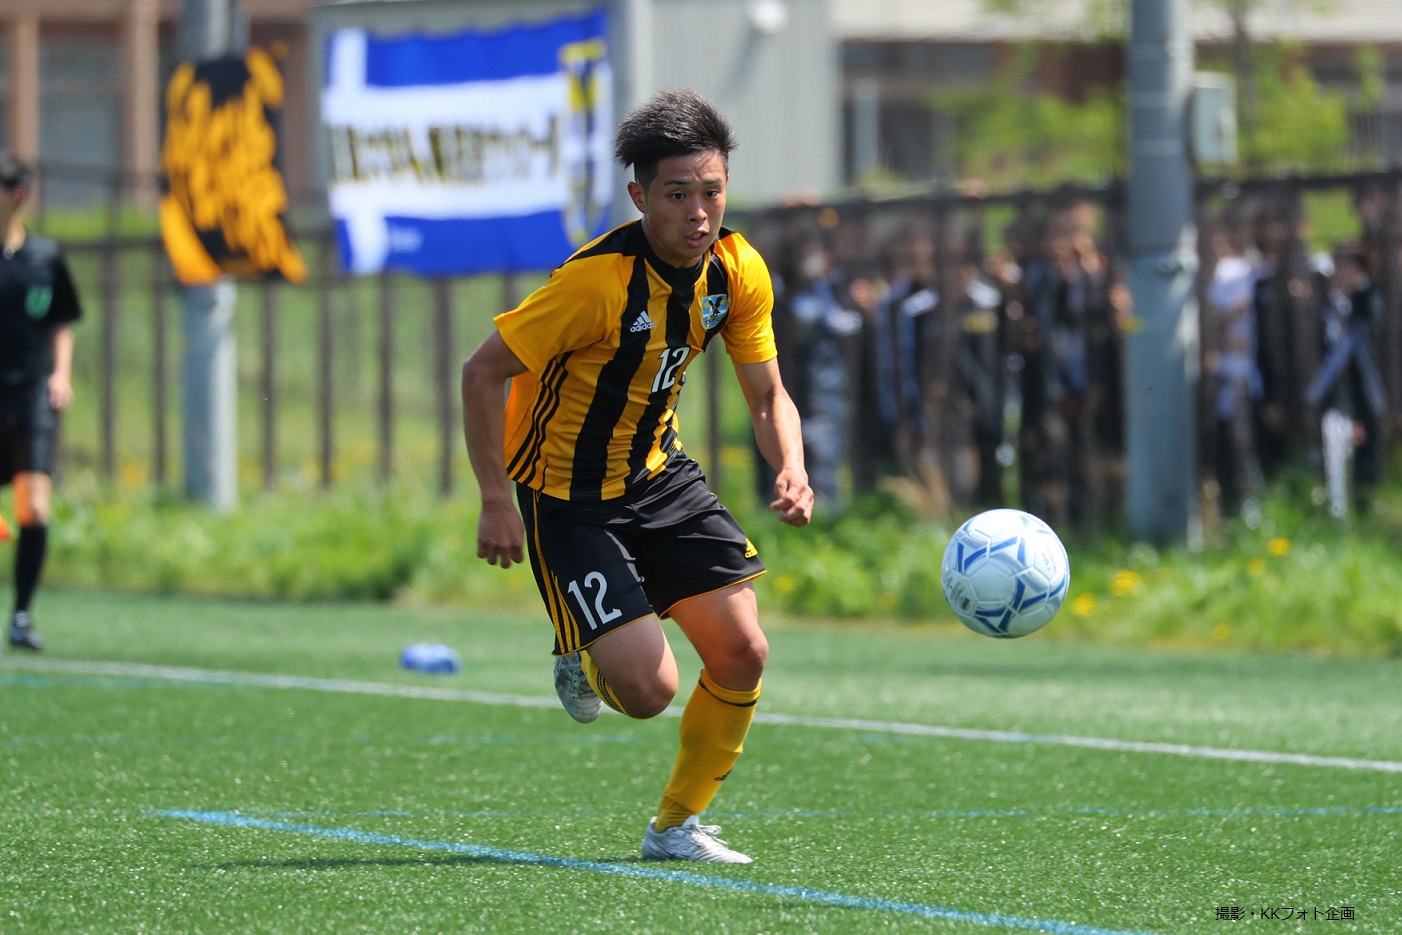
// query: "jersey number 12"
[[671, 359]]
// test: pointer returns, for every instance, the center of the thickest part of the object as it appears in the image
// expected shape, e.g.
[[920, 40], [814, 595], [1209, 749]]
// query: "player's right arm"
[[500, 533]]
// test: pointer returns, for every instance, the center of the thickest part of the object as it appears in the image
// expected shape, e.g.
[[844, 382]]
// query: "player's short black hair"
[[14, 171], [674, 122]]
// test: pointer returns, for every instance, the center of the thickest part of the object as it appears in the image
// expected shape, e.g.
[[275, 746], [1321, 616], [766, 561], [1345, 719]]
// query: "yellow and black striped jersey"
[[606, 342]]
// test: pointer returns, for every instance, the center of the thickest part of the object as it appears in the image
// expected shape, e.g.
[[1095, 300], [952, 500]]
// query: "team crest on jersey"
[[714, 308], [37, 300]]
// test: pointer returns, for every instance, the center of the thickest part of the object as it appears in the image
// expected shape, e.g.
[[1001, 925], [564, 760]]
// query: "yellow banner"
[[223, 200]]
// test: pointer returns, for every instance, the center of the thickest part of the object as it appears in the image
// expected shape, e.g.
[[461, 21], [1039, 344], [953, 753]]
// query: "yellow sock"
[[596, 682], [714, 725]]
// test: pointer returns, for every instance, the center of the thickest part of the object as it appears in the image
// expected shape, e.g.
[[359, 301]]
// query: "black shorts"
[[28, 430], [603, 564]]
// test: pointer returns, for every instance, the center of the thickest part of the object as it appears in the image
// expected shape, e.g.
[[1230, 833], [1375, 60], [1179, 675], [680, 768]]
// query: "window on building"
[[79, 126]]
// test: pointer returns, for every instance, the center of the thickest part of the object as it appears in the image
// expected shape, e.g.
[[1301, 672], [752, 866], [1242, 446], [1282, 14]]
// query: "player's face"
[[683, 207]]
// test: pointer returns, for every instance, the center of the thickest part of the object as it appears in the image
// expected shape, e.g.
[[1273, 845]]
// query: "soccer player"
[[38, 306], [620, 525]]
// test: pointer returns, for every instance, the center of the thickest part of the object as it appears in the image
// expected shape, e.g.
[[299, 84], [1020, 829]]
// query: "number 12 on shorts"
[[596, 583]]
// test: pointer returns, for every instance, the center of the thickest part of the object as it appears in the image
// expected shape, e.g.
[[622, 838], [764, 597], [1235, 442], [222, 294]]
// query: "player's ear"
[[635, 191]]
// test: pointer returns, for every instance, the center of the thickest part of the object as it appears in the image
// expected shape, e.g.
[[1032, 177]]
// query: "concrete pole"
[[1161, 351], [22, 114], [141, 101], [208, 29], [633, 78]]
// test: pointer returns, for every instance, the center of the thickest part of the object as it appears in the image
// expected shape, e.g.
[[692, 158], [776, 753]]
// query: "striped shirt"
[[606, 342]]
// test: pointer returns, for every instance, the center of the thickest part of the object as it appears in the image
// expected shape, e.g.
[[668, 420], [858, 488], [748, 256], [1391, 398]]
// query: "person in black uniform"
[[38, 306]]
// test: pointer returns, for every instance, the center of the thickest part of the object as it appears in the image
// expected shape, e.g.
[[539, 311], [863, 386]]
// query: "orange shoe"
[[4, 529]]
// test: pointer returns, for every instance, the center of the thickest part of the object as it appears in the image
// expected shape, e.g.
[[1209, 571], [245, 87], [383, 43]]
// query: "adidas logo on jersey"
[[642, 323]]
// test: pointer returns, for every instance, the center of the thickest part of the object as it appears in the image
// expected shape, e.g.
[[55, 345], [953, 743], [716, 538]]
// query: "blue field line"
[[904, 815], [689, 878], [169, 674]]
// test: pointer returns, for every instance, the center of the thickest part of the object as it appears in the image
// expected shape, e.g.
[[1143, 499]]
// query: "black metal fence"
[[968, 351], [337, 376], [961, 351]]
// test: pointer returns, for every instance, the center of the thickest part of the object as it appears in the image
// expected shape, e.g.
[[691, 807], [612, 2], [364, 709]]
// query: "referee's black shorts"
[[603, 564], [28, 430]]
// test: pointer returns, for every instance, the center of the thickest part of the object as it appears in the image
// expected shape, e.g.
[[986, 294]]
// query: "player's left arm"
[[780, 438], [61, 380], [63, 312]]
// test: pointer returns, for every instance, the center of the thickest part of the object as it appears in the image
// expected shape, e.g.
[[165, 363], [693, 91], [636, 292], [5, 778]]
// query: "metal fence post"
[[160, 377], [326, 414], [268, 383], [110, 312], [443, 381], [386, 294]]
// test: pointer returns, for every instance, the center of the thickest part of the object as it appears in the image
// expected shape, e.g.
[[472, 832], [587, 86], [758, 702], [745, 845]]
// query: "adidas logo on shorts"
[[642, 323]]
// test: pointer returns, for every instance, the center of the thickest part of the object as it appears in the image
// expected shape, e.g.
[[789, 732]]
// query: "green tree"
[[1298, 125], [1007, 136], [1286, 120]]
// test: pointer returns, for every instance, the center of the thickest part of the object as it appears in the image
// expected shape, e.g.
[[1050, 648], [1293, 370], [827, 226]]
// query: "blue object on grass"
[[430, 657]]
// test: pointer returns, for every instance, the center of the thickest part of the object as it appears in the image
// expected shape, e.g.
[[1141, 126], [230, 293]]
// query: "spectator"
[[903, 319], [825, 327], [977, 406], [1064, 293], [1348, 389], [1288, 300], [1232, 368]]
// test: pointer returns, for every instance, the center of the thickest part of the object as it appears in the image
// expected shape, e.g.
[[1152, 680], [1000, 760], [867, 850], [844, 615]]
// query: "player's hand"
[[60, 392], [501, 535], [793, 498]]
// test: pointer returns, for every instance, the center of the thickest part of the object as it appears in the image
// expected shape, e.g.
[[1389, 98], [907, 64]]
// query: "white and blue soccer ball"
[[1005, 573]]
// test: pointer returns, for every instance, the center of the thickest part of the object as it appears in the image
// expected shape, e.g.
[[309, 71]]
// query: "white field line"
[[384, 689]]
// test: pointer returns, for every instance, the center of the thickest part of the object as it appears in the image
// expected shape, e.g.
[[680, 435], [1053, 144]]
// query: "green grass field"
[[183, 765]]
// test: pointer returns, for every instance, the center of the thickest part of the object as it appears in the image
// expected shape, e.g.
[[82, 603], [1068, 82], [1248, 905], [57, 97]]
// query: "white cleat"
[[572, 685], [689, 840]]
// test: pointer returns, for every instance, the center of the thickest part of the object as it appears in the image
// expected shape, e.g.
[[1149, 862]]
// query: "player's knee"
[[31, 499], [749, 657], [759, 651], [644, 697], [31, 513], [644, 700]]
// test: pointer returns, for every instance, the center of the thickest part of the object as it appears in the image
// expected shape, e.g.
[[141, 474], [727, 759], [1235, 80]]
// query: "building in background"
[[81, 81], [823, 91], [898, 54], [81, 84]]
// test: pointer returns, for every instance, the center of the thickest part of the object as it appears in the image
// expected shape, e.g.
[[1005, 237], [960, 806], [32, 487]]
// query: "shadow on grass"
[[445, 860]]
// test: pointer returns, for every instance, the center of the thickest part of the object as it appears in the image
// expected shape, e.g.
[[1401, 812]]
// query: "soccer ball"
[[1005, 573]]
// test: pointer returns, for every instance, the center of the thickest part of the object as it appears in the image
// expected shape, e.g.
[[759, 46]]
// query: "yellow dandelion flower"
[[1257, 566], [1084, 604], [1126, 582], [132, 474], [735, 456], [784, 584], [1222, 631], [1278, 546]]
